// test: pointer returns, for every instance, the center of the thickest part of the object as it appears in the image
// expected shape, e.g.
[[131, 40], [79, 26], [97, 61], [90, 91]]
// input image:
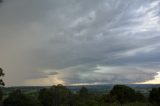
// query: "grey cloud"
[[53, 73], [111, 74], [72, 38]]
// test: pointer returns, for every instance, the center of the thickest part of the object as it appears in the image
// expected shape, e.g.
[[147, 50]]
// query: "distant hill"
[[144, 88]]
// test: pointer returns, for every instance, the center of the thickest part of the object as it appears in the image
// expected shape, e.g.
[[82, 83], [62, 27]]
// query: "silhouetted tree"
[[17, 98], [54, 96], [139, 97], [85, 98], [1, 94], [1, 83], [154, 96], [1, 75], [109, 98], [45, 97], [83, 91], [123, 93]]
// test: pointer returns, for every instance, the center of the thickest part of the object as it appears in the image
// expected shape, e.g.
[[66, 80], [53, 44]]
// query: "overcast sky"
[[46, 42]]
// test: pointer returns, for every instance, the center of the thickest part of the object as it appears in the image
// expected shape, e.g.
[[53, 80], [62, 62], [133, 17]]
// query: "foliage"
[[125, 94], [83, 91], [1, 83], [1, 75], [59, 95], [17, 98], [45, 97], [154, 96], [56, 95], [139, 97], [108, 98], [1, 94]]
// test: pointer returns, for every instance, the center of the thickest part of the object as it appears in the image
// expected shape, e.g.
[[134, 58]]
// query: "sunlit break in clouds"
[[73, 42]]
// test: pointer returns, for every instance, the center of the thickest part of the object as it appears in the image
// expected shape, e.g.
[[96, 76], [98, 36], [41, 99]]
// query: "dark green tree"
[[1, 75], [54, 96], [83, 91], [139, 97], [154, 96], [17, 98], [109, 98], [85, 98], [45, 97], [123, 93], [1, 83]]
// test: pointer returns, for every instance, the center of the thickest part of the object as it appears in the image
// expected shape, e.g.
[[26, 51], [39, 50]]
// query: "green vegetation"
[[56, 95], [124, 94], [17, 98], [59, 95], [1, 83], [154, 96]]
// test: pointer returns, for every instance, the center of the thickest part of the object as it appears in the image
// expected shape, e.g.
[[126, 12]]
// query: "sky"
[[76, 42]]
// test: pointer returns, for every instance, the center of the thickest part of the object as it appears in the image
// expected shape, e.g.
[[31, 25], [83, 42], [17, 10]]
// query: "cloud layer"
[[79, 42]]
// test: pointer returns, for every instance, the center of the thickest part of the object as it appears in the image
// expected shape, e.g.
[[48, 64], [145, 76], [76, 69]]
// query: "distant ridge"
[[100, 85], [144, 88]]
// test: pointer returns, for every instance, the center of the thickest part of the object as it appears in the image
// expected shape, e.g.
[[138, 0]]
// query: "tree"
[[1, 83], [123, 93], [1, 94], [83, 91], [1, 75], [85, 98], [139, 97], [45, 97], [109, 99], [17, 98], [154, 96], [56, 95]]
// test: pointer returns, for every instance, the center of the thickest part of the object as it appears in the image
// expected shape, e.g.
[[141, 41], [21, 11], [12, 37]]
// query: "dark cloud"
[[72, 39], [53, 73]]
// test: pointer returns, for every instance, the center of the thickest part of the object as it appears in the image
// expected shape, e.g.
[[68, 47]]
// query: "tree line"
[[59, 95]]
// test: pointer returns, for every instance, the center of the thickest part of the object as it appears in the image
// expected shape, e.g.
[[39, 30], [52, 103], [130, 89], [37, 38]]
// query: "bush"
[[154, 96], [125, 94], [56, 95], [17, 98]]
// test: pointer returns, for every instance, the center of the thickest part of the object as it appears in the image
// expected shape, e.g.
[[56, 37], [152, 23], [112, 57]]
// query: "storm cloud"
[[45, 42]]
